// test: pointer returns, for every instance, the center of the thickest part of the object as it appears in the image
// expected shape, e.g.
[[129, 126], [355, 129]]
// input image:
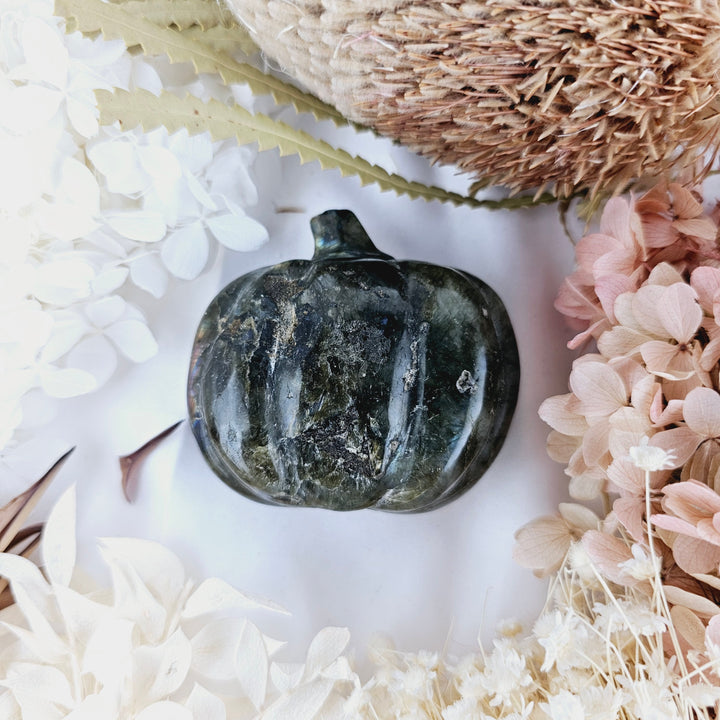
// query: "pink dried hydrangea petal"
[[616, 221], [691, 500], [557, 412], [608, 288], [680, 312], [542, 544], [598, 387], [591, 248], [694, 555], [680, 442], [620, 341], [706, 283], [703, 228], [708, 532], [702, 412], [626, 477], [658, 355], [630, 511], [607, 552], [645, 308], [685, 204]]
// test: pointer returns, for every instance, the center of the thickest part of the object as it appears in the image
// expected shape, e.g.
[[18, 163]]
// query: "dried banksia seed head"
[[524, 93]]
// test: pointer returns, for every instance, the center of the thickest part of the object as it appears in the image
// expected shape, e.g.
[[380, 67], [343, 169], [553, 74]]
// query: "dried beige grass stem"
[[525, 93]]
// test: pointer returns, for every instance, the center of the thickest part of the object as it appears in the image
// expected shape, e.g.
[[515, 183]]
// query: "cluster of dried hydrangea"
[[557, 94], [647, 292]]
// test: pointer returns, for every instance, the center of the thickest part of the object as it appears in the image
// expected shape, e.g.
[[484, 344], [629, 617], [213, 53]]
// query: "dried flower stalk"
[[556, 94]]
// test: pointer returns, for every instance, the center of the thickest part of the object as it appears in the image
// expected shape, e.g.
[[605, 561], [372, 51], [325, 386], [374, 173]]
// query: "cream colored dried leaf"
[[184, 14], [143, 108], [114, 22]]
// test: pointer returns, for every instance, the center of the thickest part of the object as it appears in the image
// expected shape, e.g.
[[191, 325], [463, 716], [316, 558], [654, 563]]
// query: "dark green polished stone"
[[353, 380]]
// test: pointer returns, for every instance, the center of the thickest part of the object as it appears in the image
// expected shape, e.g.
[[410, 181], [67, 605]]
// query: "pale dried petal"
[[695, 555], [215, 646], [134, 340], [159, 670], [646, 309], [680, 443], [702, 412], [216, 595], [689, 625], [557, 412], [324, 649], [579, 516], [58, 540], [700, 605], [680, 312], [204, 705], [542, 544], [251, 664], [164, 710], [691, 500], [598, 387], [607, 553]]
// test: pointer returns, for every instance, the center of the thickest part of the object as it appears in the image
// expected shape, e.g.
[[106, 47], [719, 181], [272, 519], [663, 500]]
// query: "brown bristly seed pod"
[[555, 94]]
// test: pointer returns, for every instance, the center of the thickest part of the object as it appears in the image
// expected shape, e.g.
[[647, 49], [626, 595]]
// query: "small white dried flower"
[[505, 675], [563, 635], [650, 458], [642, 565], [564, 706]]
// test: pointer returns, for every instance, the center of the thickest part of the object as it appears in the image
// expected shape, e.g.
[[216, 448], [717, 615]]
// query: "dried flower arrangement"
[[557, 94]]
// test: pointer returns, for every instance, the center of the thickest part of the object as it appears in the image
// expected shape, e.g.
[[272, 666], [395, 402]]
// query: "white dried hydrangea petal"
[[134, 339], [216, 595], [214, 648], [147, 226], [160, 670], [158, 568], [68, 327], [66, 382], [117, 160], [251, 664], [238, 231], [28, 108], [109, 280], [63, 281], [203, 704], [185, 251], [58, 540], [46, 57], [324, 649], [149, 274], [108, 651], [304, 703], [41, 691], [165, 710]]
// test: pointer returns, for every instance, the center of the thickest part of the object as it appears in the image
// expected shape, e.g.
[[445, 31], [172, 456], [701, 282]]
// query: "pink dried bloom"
[[701, 415], [692, 512], [608, 265], [606, 413], [665, 225], [543, 543]]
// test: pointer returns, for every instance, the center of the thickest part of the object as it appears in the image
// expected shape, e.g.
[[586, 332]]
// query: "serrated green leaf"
[[181, 14], [143, 108], [114, 22]]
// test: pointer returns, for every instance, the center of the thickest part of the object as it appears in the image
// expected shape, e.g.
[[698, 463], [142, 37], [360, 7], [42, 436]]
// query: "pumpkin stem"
[[338, 233]]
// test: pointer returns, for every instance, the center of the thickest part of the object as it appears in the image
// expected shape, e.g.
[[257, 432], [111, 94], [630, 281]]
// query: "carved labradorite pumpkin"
[[353, 380]]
